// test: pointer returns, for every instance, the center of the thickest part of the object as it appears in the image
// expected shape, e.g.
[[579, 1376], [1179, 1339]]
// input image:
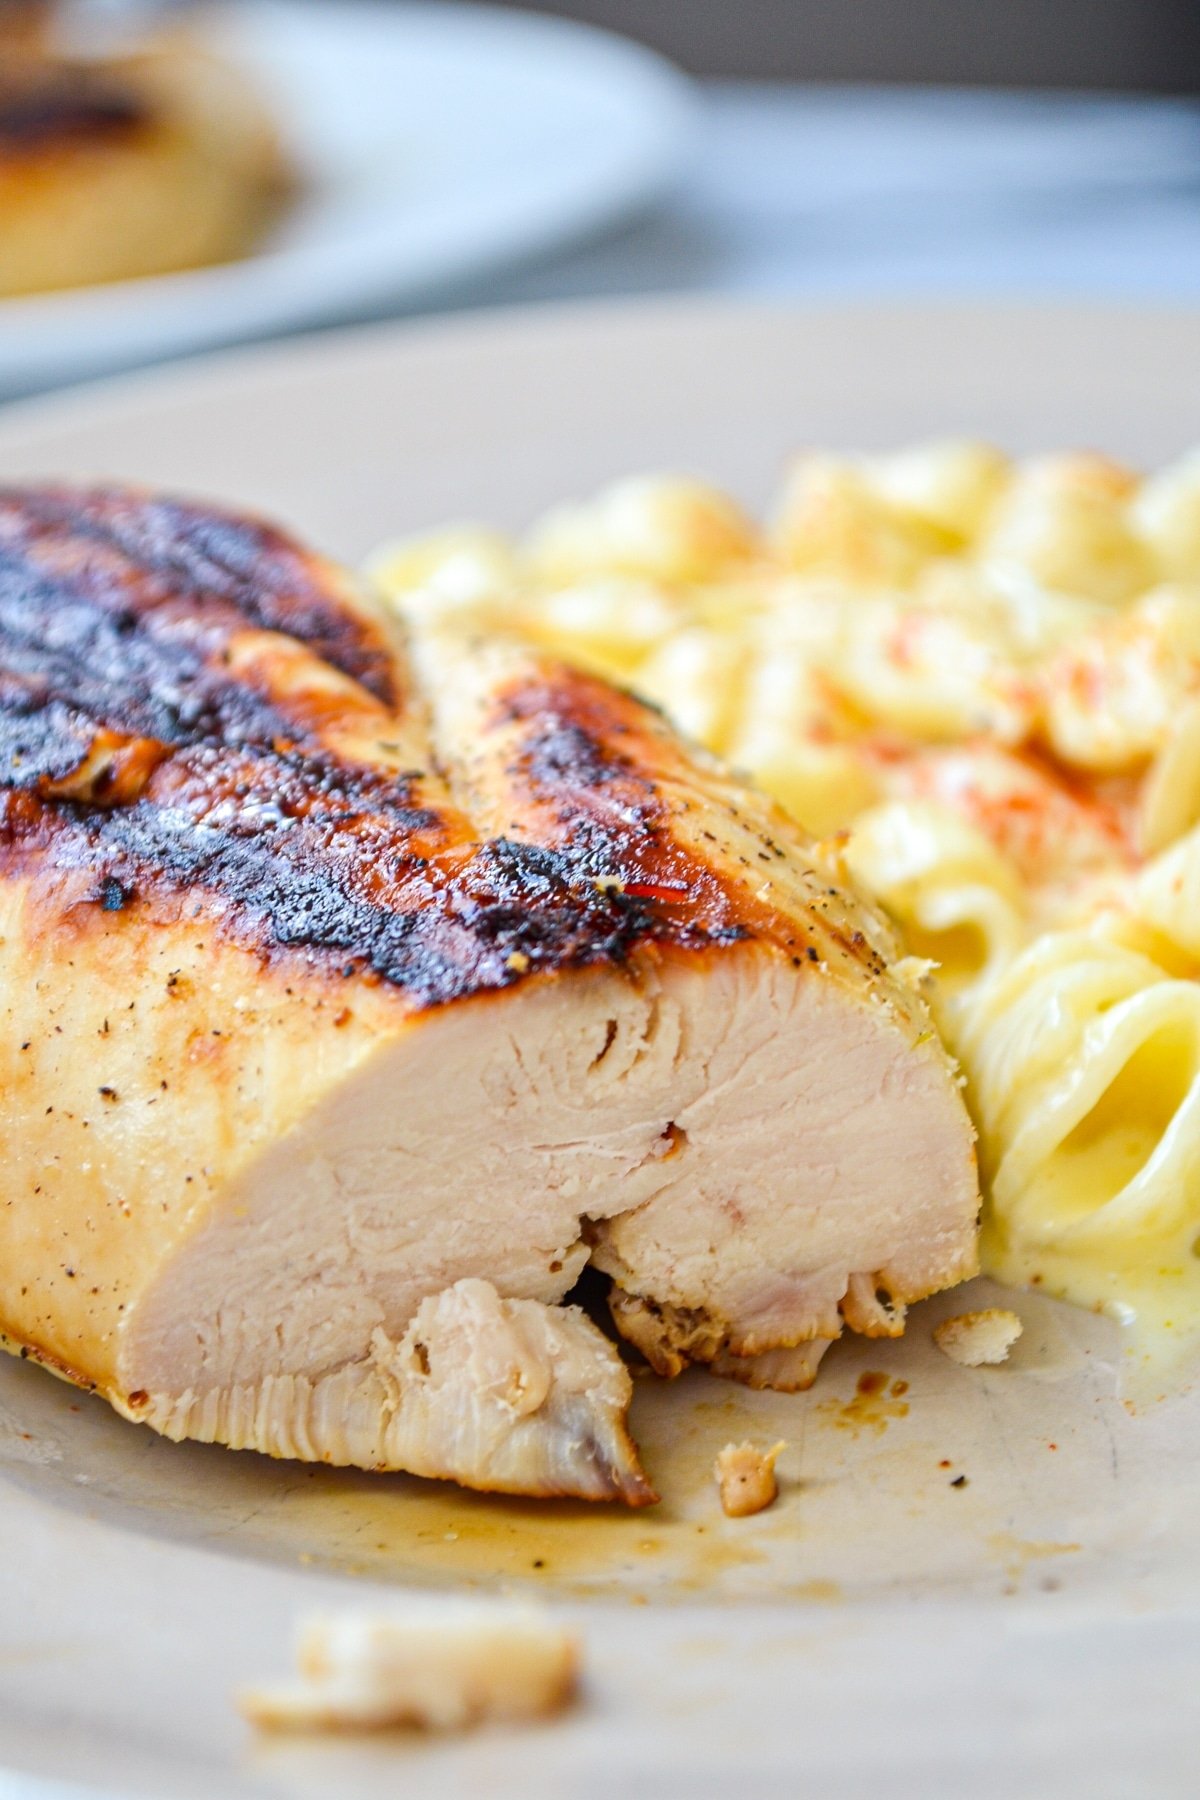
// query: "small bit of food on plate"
[[979, 678], [437, 1665], [975, 1338], [746, 1479], [359, 992], [121, 166]]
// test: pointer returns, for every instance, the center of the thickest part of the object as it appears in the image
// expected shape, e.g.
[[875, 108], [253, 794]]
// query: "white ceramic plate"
[[433, 143], [1032, 1632]]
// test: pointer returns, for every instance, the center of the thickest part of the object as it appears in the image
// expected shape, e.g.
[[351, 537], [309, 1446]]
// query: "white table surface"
[[897, 192]]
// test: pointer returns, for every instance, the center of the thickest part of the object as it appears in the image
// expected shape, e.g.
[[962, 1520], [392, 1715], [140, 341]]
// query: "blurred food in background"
[[426, 146], [162, 157]]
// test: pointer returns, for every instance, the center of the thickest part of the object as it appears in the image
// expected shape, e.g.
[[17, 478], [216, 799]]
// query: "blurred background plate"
[[434, 142], [985, 1582]]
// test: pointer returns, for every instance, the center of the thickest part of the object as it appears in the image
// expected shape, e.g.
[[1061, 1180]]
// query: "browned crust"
[[595, 768], [28, 1351], [146, 767], [48, 105]]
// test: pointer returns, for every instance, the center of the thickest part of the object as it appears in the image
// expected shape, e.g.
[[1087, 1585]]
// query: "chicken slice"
[[791, 1190], [327, 989], [509, 1395]]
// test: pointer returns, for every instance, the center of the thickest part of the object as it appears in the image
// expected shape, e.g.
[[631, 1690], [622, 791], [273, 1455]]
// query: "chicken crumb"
[[437, 1666], [978, 1337], [746, 1478]]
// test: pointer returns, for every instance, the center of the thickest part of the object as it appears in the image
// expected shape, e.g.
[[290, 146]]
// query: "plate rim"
[[174, 379]]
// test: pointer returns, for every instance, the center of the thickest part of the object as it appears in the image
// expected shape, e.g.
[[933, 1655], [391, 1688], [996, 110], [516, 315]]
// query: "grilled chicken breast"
[[354, 1002]]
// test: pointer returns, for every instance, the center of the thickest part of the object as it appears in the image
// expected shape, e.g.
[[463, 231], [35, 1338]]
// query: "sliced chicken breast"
[[352, 1009]]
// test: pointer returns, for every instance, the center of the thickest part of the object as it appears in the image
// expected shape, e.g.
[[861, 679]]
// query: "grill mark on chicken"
[[563, 753], [128, 673], [44, 104], [139, 755], [126, 553], [570, 744], [578, 777], [608, 822]]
